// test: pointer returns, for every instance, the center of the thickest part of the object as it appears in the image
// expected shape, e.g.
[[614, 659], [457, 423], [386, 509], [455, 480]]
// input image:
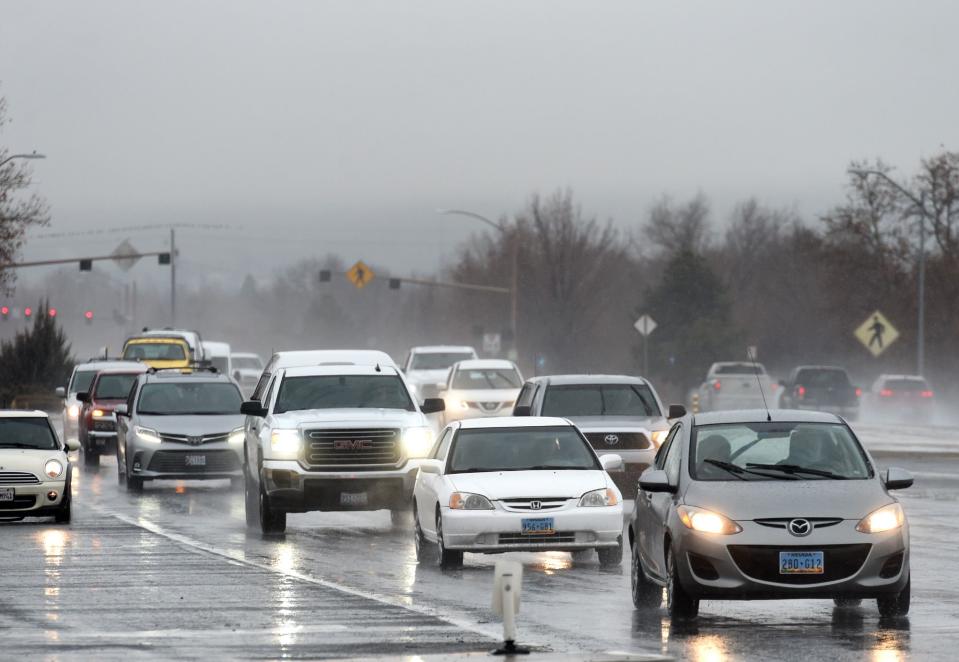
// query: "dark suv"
[[97, 426], [823, 388]]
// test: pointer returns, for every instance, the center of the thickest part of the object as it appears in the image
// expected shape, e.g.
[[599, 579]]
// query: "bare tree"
[[674, 229]]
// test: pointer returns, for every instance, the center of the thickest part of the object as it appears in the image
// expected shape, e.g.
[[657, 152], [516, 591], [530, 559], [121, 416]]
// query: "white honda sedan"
[[516, 484]]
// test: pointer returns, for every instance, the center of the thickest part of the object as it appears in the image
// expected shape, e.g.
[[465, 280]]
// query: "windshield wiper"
[[17, 444], [553, 467], [737, 470], [796, 469]]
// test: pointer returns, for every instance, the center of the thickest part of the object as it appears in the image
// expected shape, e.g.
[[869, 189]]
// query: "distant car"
[[80, 380], [737, 385], [902, 398], [618, 414], [481, 387], [515, 484], [247, 368], [35, 472], [176, 425], [97, 424], [426, 368], [192, 339], [218, 355], [160, 352], [749, 505], [820, 388]]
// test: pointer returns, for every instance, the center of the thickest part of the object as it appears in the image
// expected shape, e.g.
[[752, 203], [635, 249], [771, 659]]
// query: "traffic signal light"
[[86, 265], [326, 275], [52, 312], [394, 283], [163, 258], [28, 312], [88, 316], [5, 312]]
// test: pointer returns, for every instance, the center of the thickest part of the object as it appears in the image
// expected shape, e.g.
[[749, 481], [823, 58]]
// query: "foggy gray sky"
[[341, 126]]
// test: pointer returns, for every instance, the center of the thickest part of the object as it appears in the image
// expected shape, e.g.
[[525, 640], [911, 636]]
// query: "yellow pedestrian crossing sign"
[[360, 275], [876, 333]]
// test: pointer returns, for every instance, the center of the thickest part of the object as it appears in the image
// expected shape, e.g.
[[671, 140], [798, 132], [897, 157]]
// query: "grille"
[[18, 478], [195, 440], [627, 481], [104, 425], [486, 406], [623, 440], [347, 448], [782, 522], [19, 502], [762, 562], [525, 539], [174, 462], [545, 503]]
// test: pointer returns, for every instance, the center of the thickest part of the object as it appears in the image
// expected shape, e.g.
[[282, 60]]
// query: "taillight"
[[717, 384], [926, 394], [858, 392], [801, 391], [886, 393]]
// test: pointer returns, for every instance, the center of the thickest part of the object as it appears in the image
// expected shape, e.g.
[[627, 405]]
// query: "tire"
[[896, 604], [272, 521], [446, 559], [91, 459], [134, 484], [251, 501], [646, 594], [62, 515], [611, 557], [121, 469], [425, 552], [847, 602], [679, 604]]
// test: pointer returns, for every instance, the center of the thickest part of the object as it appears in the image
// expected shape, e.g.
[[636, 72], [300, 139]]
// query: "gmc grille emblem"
[[352, 444]]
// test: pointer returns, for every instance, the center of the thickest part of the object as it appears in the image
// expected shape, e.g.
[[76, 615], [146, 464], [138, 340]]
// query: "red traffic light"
[[52, 312], [5, 310], [28, 311], [88, 314]]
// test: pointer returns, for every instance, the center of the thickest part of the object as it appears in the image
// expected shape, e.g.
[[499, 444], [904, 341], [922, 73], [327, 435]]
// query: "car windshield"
[[342, 392], [247, 363], [600, 400], [776, 451], [485, 378], [158, 351], [82, 380], [520, 449], [438, 360], [740, 369], [185, 398], [824, 378], [27, 432], [114, 387]]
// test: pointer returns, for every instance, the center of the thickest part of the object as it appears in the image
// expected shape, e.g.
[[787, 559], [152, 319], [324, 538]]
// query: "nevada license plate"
[[542, 526], [353, 498], [801, 563], [7, 493], [196, 460]]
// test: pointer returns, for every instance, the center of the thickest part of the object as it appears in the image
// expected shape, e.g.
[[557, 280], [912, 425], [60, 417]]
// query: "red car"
[[97, 426]]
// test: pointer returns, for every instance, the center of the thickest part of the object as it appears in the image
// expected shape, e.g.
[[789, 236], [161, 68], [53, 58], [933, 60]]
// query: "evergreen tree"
[[36, 360]]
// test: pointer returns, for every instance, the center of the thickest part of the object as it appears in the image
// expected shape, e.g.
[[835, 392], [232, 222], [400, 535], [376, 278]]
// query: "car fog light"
[[884, 519], [51, 495], [53, 468], [706, 521]]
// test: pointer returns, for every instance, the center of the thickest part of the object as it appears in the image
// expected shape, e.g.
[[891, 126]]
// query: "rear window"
[[115, 387], [154, 352], [221, 363], [740, 369], [824, 378], [600, 400], [907, 385], [33, 432]]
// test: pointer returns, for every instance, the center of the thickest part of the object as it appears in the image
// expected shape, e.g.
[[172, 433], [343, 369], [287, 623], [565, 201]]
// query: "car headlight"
[[596, 498], [148, 435], [456, 403], [884, 519], [706, 521], [73, 411], [236, 437], [98, 413], [417, 442], [285, 442], [53, 468], [467, 501], [659, 436]]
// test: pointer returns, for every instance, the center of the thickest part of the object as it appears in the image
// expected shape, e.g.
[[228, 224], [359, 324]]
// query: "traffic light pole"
[[69, 260], [173, 277]]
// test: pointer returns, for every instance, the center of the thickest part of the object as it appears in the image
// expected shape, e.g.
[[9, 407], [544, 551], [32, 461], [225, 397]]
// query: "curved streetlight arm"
[[879, 173], [33, 155], [478, 217]]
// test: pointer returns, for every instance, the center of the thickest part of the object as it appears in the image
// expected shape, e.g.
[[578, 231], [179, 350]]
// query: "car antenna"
[[752, 357], [378, 368]]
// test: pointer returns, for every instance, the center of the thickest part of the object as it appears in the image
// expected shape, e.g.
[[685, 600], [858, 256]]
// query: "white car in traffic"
[[481, 387], [247, 368], [508, 484], [426, 368]]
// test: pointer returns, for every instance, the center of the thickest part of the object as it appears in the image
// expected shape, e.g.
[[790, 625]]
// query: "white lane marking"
[[238, 557]]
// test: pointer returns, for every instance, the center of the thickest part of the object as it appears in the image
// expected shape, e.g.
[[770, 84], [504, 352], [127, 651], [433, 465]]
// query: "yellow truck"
[[159, 351]]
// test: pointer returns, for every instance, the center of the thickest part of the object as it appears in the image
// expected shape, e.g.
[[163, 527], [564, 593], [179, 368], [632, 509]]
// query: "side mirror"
[[60, 392], [676, 411], [897, 479], [433, 405], [522, 410], [611, 462], [253, 408], [121, 410], [236, 375], [431, 466], [83, 396], [73, 445], [655, 480]]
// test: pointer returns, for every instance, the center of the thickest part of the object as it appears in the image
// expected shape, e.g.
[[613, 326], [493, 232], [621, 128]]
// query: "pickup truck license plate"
[[353, 498], [196, 460], [541, 526], [801, 563], [7, 493]]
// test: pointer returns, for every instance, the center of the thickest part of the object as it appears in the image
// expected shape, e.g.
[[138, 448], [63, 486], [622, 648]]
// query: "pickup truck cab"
[[737, 385], [339, 436]]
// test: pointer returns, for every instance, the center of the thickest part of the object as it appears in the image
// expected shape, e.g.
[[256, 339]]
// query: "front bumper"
[[295, 489], [33, 500], [493, 531], [174, 460], [745, 565]]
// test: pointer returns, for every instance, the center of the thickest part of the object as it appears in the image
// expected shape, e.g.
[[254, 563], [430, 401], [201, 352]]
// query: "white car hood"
[[509, 484], [29, 460], [484, 395], [349, 418]]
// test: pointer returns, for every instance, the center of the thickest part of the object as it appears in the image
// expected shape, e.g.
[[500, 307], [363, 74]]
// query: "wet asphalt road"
[[173, 573]]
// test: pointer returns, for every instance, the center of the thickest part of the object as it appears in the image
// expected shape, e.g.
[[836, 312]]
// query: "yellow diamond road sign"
[[360, 275], [876, 333]]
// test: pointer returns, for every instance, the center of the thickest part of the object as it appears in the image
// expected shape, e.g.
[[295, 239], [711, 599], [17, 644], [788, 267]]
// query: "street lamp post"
[[514, 287], [920, 204], [32, 155]]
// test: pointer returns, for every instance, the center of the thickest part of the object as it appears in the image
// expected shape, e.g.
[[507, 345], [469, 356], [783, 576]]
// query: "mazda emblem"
[[800, 527], [611, 439], [535, 505]]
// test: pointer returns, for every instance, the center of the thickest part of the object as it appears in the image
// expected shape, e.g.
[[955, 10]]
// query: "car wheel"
[[847, 602], [895, 604], [679, 603], [91, 459], [121, 469], [445, 558], [646, 594], [611, 557], [134, 483], [62, 516], [251, 500], [272, 521], [424, 550]]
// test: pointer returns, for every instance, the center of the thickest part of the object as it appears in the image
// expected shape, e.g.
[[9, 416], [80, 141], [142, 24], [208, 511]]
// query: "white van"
[[219, 355]]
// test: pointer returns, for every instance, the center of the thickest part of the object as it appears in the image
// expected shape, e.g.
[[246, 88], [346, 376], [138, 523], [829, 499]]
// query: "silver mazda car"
[[747, 505]]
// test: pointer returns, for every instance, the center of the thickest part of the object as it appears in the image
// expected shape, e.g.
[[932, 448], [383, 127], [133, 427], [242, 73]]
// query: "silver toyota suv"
[[180, 425], [340, 435]]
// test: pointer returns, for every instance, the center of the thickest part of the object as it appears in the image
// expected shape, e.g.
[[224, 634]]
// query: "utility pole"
[[173, 277]]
